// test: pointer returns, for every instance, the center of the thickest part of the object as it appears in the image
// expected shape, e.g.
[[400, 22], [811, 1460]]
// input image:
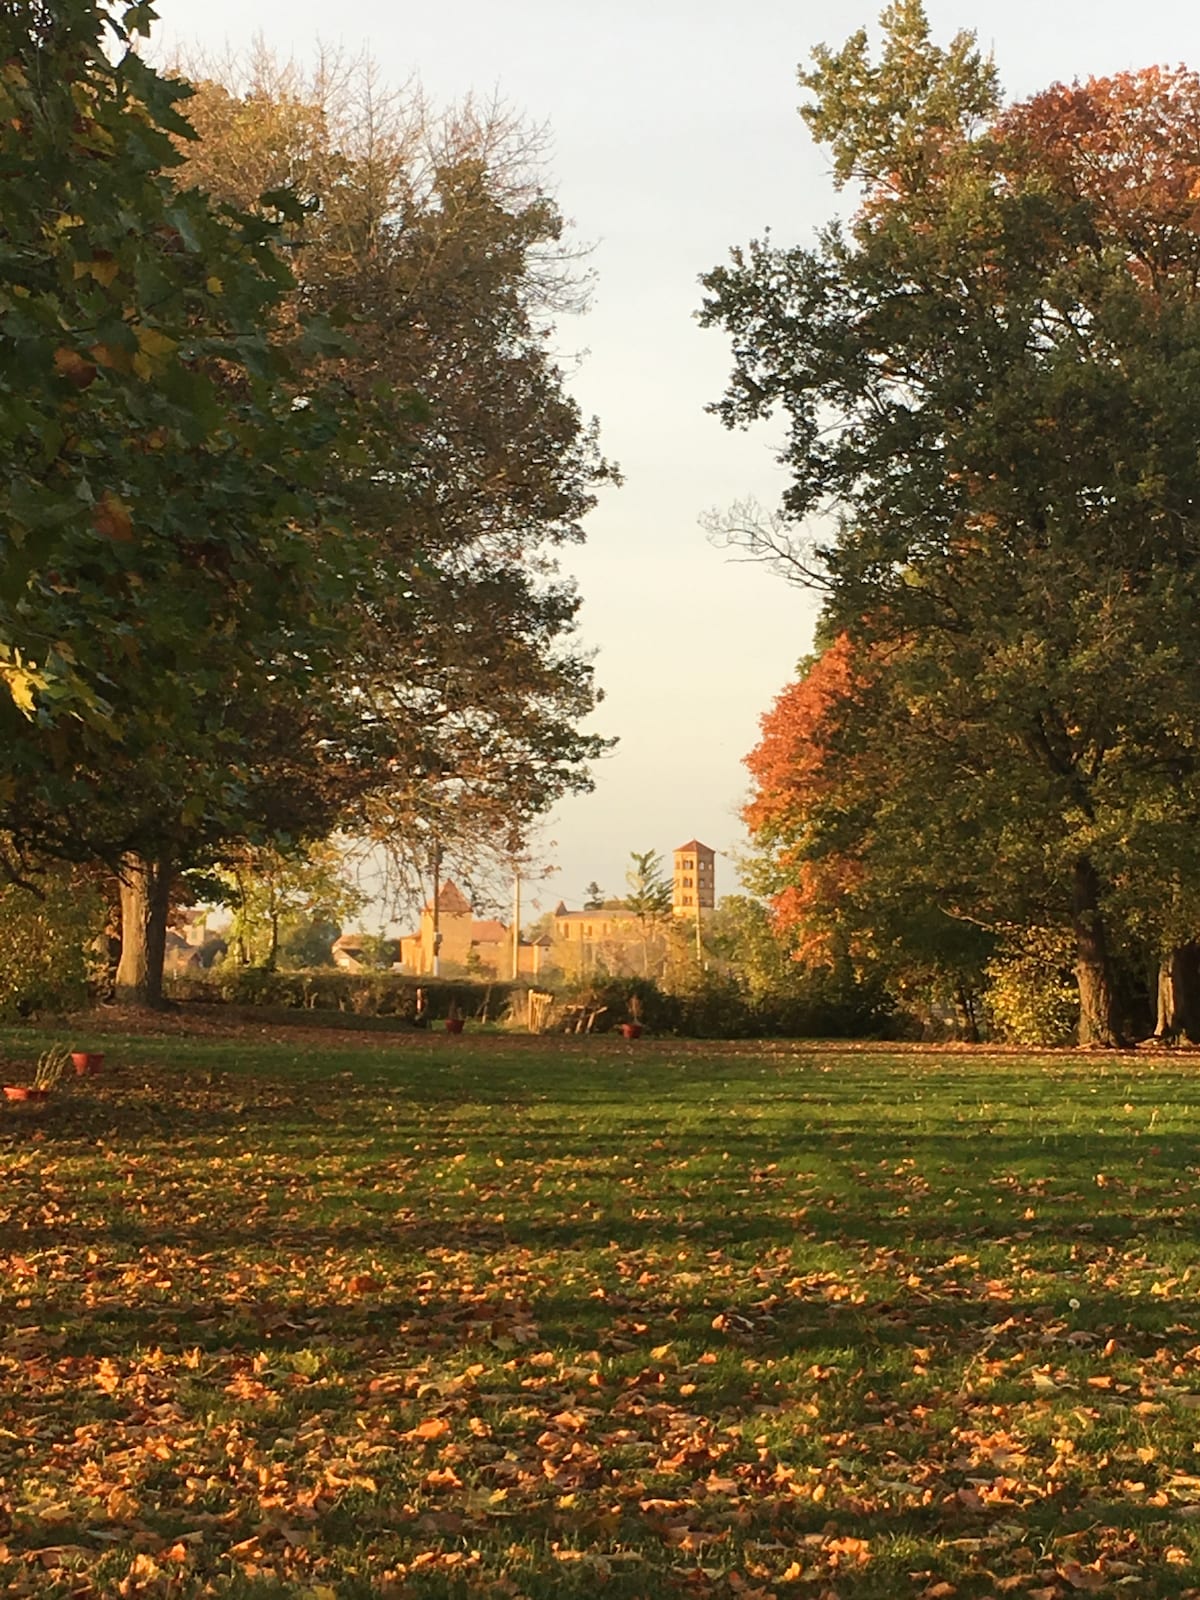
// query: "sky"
[[673, 136]]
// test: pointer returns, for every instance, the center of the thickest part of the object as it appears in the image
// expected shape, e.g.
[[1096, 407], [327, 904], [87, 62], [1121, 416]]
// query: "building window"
[[687, 883], [687, 899]]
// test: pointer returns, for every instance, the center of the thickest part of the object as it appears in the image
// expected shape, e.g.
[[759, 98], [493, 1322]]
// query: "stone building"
[[612, 939], [468, 942], [693, 879]]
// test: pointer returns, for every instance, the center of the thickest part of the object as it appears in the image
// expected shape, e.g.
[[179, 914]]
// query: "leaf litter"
[[536, 1320]]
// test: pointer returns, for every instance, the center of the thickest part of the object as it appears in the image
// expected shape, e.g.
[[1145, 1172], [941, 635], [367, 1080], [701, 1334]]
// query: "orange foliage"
[[787, 764], [792, 774], [1128, 146]]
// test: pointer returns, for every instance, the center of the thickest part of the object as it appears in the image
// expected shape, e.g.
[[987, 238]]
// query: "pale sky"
[[674, 136]]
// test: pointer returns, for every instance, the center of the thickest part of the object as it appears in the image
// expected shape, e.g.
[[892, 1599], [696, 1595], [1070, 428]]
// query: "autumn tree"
[[171, 557], [844, 837], [433, 237], [990, 379]]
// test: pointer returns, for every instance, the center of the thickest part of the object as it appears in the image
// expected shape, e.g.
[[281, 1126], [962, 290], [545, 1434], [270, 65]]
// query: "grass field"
[[416, 1316]]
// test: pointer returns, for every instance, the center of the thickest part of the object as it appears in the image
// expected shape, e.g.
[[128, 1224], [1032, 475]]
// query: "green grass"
[[418, 1316]]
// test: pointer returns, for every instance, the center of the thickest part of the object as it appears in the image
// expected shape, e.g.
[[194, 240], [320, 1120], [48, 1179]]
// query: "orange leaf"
[[431, 1428], [111, 519], [69, 364]]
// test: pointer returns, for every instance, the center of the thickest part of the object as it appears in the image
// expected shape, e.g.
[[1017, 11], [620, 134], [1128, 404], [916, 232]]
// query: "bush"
[[372, 994], [46, 944], [617, 1000], [715, 1005], [1032, 997]]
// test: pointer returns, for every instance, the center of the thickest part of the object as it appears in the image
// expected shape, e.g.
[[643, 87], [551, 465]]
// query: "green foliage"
[[378, 951], [267, 887], [715, 1005], [765, 991], [368, 994], [742, 935], [649, 896], [162, 489], [990, 378], [46, 940], [306, 941], [1031, 995]]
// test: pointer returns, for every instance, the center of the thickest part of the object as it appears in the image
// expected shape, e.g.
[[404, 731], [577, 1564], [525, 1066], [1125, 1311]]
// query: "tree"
[[649, 897], [435, 236], [170, 565], [593, 897], [991, 379], [861, 871], [272, 893]]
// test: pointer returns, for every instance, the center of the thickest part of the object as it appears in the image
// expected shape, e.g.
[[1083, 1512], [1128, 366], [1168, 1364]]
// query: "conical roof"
[[451, 899]]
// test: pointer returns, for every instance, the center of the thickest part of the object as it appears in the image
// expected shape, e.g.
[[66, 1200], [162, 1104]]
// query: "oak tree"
[[990, 379]]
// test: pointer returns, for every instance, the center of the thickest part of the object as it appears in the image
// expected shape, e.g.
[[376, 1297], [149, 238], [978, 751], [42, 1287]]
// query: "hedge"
[[374, 994]]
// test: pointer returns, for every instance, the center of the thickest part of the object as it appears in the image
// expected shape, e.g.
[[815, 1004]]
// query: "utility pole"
[[516, 927], [437, 894]]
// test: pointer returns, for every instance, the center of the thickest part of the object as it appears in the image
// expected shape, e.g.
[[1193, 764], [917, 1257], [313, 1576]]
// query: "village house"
[[467, 941]]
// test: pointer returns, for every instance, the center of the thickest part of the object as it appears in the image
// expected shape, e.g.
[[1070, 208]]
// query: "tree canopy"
[[990, 384], [260, 578]]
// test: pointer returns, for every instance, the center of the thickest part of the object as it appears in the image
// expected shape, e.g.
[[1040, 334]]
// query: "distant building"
[[468, 941], [594, 927], [612, 939], [693, 883]]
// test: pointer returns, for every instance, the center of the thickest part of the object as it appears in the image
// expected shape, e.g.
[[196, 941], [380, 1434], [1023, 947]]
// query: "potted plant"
[[633, 1028], [87, 1062], [454, 1022], [51, 1065]]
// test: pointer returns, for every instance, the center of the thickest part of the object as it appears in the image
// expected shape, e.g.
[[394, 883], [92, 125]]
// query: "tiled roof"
[[694, 844], [451, 899]]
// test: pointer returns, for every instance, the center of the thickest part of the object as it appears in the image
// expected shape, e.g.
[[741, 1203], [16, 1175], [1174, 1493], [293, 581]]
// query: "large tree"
[[991, 379], [171, 563], [434, 237]]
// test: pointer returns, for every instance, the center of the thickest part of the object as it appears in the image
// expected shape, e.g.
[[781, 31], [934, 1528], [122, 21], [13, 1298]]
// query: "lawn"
[[306, 1315]]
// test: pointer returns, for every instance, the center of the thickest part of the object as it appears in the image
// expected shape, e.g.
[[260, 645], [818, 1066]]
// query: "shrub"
[[372, 994], [46, 944], [1032, 997]]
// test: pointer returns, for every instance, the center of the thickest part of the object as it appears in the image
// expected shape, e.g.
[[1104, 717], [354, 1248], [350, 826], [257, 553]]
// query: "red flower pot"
[[454, 1024], [25, 1091], [630, 1030], [87, 1062]]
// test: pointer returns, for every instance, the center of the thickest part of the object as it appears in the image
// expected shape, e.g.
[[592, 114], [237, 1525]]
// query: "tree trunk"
[[145, 890], [1099, 1026], [968, 1021], [1179, 995]]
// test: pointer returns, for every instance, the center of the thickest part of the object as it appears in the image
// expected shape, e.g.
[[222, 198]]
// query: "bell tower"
[[693, 880]]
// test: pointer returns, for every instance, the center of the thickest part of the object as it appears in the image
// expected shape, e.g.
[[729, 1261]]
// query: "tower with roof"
[[693, 879]]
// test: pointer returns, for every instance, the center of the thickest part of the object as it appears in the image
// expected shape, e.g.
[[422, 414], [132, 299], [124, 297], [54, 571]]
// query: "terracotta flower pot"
[[25, 1091], [454, 1024], [630, 1030], [87, 1062]]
